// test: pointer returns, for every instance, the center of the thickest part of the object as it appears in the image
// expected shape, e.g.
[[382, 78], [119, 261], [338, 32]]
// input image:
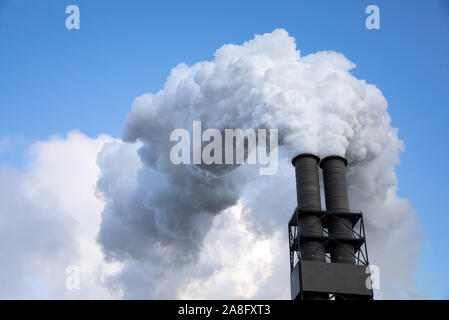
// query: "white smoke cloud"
[[160, 220], [49, 218]]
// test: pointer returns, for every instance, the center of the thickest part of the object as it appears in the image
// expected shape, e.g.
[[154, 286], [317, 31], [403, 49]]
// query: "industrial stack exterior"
[[328, 254]]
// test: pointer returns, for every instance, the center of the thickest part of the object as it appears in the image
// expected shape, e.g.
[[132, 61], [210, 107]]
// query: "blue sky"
[[54, 80]]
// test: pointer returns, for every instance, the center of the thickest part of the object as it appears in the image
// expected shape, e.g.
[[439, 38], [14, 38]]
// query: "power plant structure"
[[328, 254]]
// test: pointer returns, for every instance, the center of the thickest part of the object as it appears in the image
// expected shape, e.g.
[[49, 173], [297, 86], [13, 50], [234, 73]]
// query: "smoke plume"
[[157, 214]]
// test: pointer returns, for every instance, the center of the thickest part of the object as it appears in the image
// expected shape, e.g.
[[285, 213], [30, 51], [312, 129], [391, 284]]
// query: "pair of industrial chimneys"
[[326, 237], [336, 198]]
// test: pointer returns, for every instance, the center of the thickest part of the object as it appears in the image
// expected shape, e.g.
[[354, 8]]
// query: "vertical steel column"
[[308, 198], [336, 196]]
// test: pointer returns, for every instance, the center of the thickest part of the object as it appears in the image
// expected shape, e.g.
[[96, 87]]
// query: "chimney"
[[336, 197]]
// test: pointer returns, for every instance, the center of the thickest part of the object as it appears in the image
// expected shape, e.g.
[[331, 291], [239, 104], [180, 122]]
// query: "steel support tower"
[[328, 254]]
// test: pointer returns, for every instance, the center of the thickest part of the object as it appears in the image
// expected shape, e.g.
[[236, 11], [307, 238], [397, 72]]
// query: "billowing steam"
[[157, 215]]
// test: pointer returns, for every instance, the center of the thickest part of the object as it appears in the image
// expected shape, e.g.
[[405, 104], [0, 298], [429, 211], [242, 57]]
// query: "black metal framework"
[[356, 240]]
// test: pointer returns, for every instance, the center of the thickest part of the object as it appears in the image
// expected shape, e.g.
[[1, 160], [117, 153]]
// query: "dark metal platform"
[[326, 277]]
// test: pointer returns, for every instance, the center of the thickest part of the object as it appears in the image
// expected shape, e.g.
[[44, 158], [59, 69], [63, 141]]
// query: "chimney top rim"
[[333, 157], [305, 155]]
